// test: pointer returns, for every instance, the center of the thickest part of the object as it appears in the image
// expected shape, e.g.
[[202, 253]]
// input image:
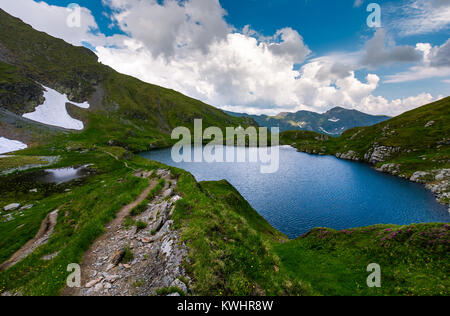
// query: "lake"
[[311, 191]]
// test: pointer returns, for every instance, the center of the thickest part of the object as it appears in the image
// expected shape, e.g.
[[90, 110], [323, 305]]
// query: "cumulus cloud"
[[379, 105], [166, 26], [377, 53], [435, 63], [53, 19], [441, 55], [188, 46]]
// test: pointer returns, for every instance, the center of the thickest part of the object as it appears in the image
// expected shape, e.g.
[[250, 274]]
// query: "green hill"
[[124, 111]]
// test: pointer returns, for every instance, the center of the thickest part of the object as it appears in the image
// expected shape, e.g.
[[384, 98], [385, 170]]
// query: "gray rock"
[[177, 283], [390, 168], [380, 154], [11, 207], [168, 192], [418, 175], [443, 174], [26, 207], [429, 124], [174, 294], [175, 198], [8, 218], [350, 155]]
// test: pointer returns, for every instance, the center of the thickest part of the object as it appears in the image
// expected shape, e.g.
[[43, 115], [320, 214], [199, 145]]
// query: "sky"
[[266, 56]]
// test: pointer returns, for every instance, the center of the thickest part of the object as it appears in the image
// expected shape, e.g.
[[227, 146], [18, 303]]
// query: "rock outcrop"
[[379, 154]]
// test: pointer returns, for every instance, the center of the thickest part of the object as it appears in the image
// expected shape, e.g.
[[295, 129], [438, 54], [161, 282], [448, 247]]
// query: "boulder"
[[418, 175], [11, 207], [93, 282], [443, 174], [26, 207], [429, 124], [350, 155], [179, 284]]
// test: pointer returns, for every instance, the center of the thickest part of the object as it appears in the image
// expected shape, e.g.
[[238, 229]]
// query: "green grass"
[[20, 161], [128, 222], [232, 250], [83, 213], [169, 290], [140, 225], [128, 255], [229, 243], [413, 262]]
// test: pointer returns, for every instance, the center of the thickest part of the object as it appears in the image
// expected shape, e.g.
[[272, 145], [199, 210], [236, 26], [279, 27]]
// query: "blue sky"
[[266, 56]]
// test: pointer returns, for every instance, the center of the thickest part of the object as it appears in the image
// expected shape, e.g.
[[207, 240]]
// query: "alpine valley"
[[75, 190]]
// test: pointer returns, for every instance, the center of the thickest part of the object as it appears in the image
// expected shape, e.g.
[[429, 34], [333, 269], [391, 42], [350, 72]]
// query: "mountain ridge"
[[332, 122]]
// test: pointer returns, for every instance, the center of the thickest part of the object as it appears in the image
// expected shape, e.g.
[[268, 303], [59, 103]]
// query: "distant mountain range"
[[333, 123]]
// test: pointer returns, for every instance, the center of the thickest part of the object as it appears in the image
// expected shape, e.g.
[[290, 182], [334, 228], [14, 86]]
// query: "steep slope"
[[414, 145], [124, 111], [333, 123]]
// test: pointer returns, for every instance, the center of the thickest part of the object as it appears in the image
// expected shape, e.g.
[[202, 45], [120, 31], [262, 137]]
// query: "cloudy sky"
[[265, 56]]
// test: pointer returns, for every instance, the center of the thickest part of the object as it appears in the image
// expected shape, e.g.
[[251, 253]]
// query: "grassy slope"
[[124, 111], [406, 131], [414, 259]]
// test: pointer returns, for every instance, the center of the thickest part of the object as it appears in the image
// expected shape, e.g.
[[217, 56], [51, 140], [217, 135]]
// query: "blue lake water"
[[311, 191]]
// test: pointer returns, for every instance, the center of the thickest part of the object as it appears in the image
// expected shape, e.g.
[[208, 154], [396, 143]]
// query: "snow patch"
[[334, 120], [53, 111], [8, 145], [326, 132]]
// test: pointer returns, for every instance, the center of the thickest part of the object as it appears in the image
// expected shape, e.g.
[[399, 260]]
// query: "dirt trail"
[[91, 256], [42, 237], [157, 251]]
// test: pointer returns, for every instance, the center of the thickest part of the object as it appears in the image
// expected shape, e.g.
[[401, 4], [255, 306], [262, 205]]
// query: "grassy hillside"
[[124, 111], [414, 260]]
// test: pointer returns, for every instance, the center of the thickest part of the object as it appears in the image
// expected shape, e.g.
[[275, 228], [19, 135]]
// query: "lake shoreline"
[[392, 169]]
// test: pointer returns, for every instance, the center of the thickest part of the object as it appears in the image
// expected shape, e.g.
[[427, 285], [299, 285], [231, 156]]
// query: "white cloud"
[[53, 19], [165, 27], [421, 17], [379, 105], [189, 47], [376, 52], [435, 63]]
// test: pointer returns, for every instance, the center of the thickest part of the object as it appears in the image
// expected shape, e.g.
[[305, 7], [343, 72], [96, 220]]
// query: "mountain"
[[414, 145], [333, 123], [122, 110]]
